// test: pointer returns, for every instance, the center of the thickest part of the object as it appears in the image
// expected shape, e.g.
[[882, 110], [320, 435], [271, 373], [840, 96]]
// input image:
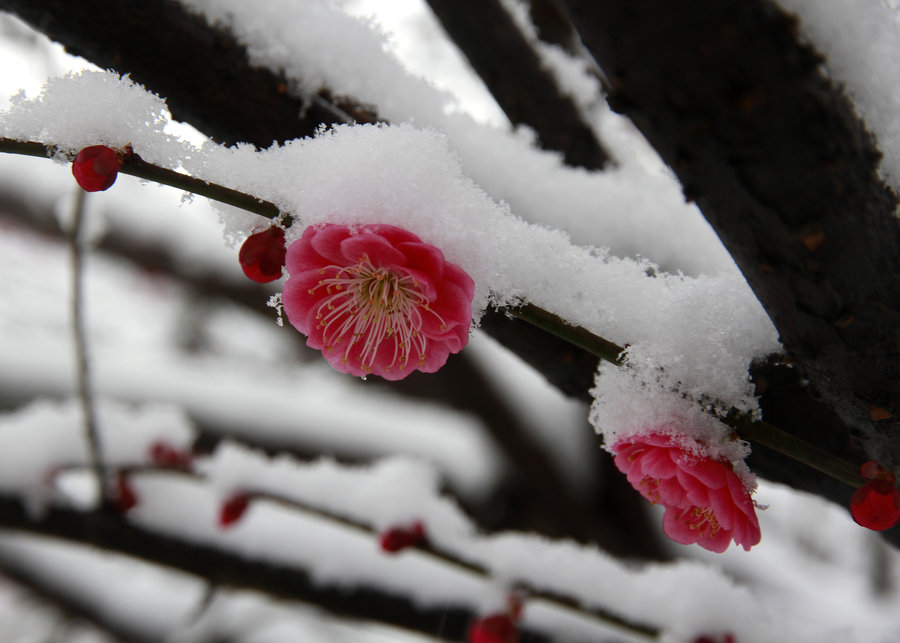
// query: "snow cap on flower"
[[376, 299], [706, 502]]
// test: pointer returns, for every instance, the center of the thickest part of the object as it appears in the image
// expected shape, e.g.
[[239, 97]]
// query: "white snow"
[[859, 39], [525, 227], [709, 329]]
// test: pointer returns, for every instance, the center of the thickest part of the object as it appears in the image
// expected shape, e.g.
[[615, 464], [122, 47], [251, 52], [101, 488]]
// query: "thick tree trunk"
[[781, 166]]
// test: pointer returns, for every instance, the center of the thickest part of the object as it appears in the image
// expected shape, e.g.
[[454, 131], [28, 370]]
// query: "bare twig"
[[136, 166], [521, 84], [82, 363]]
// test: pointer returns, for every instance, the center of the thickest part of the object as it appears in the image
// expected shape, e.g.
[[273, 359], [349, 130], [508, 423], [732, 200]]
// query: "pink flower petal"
[[394, 235], [697, 492], [299, 302], [424, 258], [677, 528], [381, 253], [706, 502], [658, 464], [424, 281], [723, 506], [456, 275], [325, 241], [671, 493], [375, 299], [709, 472]]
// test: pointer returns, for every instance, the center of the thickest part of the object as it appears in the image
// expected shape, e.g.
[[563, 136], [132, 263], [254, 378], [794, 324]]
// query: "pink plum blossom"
[[376, 299], [706, 502]]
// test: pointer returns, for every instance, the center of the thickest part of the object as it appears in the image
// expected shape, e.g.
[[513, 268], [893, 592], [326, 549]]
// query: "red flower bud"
[[124, 498], [233, 509], [496, 628], [166, 456], [876, 505], [262, 255], [95, 168], [399, 538]]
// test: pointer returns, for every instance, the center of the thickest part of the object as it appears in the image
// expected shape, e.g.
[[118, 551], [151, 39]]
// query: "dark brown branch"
[[783, 169], [70, 605], [224, 569], [83, 369], [512, 71], [201, 71]]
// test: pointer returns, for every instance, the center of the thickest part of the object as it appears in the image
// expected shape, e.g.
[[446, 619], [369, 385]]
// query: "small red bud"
[[496, 628], [876, 505], [873, 470], [95, 168], [233, 509], [124, 498], [262, 255], [398, 538], [166, 456]]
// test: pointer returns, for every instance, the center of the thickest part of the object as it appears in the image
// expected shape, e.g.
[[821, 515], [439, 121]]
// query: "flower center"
[[701, 519], [366, 305]]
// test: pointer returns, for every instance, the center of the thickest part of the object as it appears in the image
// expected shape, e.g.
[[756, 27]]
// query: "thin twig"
[[746, 426], [793, 447], [429, 549], [136, 166], [82, 363], [426, 548], [575, 335]]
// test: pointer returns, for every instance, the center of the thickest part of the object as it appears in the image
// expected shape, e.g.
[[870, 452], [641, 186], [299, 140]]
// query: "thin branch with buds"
[[746, 426], [82, 363]]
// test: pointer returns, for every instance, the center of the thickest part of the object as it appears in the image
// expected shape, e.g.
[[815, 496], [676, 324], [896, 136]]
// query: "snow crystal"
[[98, 108]]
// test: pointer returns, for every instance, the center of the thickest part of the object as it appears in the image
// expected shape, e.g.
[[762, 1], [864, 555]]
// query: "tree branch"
[[783, 169], [71, 605], [109, 532], [512, 71], [202, 71]]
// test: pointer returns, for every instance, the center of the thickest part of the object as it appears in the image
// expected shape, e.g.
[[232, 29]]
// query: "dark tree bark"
[[525, 90], [781, 166], [201, 71]]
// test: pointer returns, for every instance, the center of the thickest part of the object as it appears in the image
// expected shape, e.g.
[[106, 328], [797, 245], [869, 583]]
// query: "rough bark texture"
[[769, 149], [201, 71], [783, 169], [513, 72]]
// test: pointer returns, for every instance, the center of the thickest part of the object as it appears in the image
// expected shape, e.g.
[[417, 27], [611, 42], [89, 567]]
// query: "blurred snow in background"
[[170, 359]]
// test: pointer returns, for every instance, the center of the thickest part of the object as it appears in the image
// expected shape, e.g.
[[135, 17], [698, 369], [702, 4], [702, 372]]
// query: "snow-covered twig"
[[746, 426], [136, 166]]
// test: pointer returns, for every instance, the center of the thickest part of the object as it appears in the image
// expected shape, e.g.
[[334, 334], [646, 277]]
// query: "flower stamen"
[[372, 304]]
